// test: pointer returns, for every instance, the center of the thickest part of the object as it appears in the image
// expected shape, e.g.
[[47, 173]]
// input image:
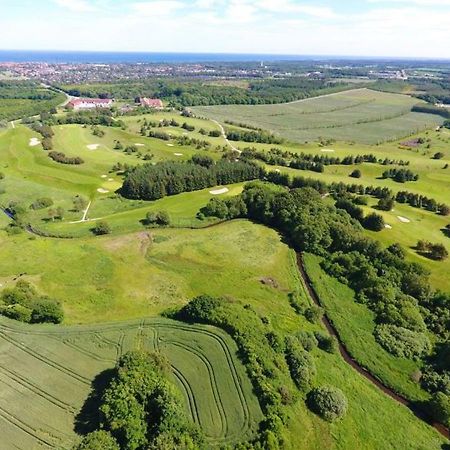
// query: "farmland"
[[115, 288], [222, 403], [359, 115]]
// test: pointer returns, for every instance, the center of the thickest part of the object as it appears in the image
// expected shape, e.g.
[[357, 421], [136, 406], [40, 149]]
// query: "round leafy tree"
[[328, 402], [98, 440]]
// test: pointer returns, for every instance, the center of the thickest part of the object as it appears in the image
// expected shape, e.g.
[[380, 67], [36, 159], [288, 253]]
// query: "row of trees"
[[278, 157], [63, 159], [150, 182], [262, 137], [400, 175]]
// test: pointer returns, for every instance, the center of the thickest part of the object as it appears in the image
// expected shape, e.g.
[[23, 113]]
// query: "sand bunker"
[[219, 191], [178, 154], [104, 176], [387, 226], [110, 179], [93, 146], [170, 145], [102, 191], [403, 219], [327, 150], [34, 141], [139, 145]]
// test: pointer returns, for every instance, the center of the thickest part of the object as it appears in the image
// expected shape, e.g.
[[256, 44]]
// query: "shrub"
[[328, 402], [17, 312], [313, 314], [48, 311], [327, 343], [101, 228], [356, 174], [386, 203], [98, 440], [301, 364], [438, 155], [439, 408], [308, 340], [373, 222], [41, 203], [402, 342]]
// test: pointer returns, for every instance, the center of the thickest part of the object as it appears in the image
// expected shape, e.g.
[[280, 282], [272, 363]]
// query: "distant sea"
[[138, 57]]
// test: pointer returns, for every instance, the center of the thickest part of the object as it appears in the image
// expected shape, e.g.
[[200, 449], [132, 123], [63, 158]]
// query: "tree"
[[328, 402], [386, 203], [162, 218], [46, 310], [60, 212], [356, 174], [438, 155], [373, 222], [98, 440], [101, 227], [438, 251], [444, 210], [439, 407], [52, 214], [79, 203]]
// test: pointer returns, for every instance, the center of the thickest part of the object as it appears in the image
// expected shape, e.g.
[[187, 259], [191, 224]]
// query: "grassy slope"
[[355, 324], [360, 115]]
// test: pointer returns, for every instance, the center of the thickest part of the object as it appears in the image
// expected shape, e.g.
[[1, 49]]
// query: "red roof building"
[[90, 103], [151, 102]]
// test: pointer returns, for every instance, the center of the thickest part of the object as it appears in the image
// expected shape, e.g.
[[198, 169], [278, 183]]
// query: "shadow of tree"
[[88, 419]]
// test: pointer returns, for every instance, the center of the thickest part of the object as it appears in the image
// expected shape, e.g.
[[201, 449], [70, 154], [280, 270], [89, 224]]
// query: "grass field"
[[37, 414], [134, 275], [359, 115], [355, 323]]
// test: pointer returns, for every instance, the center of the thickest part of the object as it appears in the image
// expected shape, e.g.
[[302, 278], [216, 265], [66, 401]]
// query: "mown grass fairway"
[[37, 414], [360, 115]]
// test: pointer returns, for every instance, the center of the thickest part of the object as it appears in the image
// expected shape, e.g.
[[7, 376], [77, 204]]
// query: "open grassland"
[[37, 414], [359, 115], [127, 276], [355, 324]]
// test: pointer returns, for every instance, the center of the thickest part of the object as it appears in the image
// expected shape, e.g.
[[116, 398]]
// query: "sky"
[[403, 28]]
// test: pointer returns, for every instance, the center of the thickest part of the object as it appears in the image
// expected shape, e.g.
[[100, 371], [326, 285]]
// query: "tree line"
[[150, 182]]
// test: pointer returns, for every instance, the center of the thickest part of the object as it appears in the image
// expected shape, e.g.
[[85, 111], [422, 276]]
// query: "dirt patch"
[[412, 143], [269, 281]]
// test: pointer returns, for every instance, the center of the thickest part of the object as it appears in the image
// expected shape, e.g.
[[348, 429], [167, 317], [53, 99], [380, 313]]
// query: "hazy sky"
[[338, 27]]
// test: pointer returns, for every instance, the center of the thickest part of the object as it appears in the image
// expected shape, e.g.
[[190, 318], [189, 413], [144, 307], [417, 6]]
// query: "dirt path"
[[417, 411], [224, 135]]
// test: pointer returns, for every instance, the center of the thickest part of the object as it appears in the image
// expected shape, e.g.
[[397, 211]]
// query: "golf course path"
[[416, 409], [224, 135]]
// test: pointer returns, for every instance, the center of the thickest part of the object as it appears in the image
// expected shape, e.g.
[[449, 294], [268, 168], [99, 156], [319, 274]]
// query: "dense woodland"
[[186, 92], [150, 182]]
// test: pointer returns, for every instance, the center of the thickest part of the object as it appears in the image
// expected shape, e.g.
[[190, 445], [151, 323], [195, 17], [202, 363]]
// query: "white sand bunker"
[[104, 176], [102, 191], [178, 154], [327, 150], [219, 191], [139, 145], [34, 141], [170, 145], [110, 179], [403, 219], [93, 146], [276, 170], [387, 226]]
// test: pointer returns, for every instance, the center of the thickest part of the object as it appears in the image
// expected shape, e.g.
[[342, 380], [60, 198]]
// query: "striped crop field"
[[360, 115], [47, 373]]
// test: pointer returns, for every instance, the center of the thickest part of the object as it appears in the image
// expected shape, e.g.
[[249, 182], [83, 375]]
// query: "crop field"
[[359, 115], [36, 413]]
